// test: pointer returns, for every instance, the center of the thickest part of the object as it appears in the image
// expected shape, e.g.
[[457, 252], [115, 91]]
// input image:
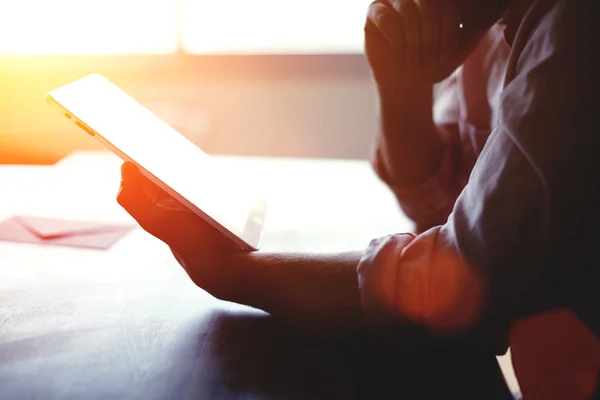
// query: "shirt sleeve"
[[463, 108], [516, 240]]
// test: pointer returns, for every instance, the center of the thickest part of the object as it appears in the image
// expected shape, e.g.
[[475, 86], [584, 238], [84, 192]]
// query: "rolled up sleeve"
[[453, 277], [502, 252]]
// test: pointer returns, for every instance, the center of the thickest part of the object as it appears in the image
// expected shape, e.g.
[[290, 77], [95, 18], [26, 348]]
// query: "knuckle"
[[403, 238], [395, 243], [375, 15], [398, 5], [374, 10], [378, 13], [406, 7], [375, 243], [391, 240], [378, 245]]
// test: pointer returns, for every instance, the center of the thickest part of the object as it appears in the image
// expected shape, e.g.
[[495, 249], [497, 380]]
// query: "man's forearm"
[[409, 142], [313, 292]]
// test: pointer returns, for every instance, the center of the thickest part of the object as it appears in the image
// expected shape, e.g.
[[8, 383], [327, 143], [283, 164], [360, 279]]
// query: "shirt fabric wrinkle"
[[515, 119]]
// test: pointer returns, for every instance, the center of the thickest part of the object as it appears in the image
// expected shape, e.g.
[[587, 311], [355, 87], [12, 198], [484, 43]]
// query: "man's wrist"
[[406, 108], [239, 272], [404, 90], [409, 144]]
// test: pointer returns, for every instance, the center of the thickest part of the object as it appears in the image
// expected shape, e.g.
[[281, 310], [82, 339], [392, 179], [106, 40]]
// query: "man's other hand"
[[416, 42]]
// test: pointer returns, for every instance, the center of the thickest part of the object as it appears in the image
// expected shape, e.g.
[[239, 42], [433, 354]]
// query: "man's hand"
[[410, 46], [198, 247], [415, 42], [313, 292]]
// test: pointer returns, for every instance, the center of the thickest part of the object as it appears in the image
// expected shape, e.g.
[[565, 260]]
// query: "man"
[[500, 176]]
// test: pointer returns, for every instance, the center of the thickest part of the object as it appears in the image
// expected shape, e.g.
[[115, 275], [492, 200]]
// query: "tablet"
[[105, 112]]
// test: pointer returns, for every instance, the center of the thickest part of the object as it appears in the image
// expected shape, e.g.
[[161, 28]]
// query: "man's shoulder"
[[553, 74], [567, 28]]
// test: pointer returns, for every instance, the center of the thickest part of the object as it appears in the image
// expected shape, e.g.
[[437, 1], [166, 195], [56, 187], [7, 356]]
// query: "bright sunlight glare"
[[273, 26], [87, 26], [66, 27]]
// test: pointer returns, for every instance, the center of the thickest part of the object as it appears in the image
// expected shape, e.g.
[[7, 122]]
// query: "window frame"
[[206, 66]]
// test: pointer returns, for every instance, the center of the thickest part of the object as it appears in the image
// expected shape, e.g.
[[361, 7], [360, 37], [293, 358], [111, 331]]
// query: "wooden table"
[[126, 323]]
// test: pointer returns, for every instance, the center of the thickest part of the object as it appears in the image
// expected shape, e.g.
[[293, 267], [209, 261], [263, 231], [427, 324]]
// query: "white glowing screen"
[[151, 143]]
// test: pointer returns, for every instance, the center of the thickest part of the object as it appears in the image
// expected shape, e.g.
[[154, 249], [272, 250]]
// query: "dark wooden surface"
[[128, 324], [161, 340]]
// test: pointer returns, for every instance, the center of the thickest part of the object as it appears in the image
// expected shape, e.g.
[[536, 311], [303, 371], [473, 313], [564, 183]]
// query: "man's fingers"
[[175, 226], [450, 36], [157, 212], [381, 20], [408, 17], [430, 24], [130, 188], [133, 179], [139, 197], [132, 198], [129, 171]]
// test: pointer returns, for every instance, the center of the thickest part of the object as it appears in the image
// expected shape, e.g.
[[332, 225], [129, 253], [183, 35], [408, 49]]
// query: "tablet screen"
[[164, 153]]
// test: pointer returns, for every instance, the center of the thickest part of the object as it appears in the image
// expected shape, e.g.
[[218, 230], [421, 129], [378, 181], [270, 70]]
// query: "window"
[[273, 26], [68, 27]]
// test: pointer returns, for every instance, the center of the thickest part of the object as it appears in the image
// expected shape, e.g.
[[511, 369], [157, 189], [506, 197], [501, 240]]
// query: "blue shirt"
[[510, 221]]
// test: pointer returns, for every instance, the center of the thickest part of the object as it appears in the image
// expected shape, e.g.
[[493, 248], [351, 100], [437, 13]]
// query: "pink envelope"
[[39, 230]]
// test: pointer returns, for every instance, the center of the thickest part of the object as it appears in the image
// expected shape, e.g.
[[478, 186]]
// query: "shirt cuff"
[[423, 280], [377, 280]]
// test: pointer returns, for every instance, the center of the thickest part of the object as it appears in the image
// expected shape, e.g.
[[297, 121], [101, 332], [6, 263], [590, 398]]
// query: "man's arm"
[[409, 143], [414, 156], [518, 239], [411, 46], [516, 242], [428, 198], [319, 294], [409, 148], [313, 292]]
